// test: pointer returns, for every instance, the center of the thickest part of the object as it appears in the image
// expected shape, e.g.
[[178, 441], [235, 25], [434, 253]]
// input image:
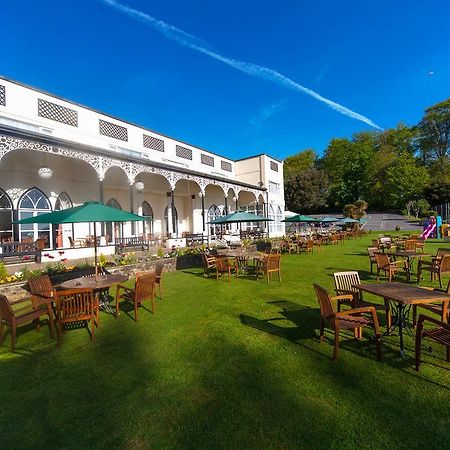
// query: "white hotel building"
[[55, 153]]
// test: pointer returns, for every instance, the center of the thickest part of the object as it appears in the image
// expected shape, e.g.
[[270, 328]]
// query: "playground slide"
[[430, 229]]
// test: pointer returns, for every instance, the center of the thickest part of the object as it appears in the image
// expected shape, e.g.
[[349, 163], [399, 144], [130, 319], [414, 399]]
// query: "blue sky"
[[374, 58]]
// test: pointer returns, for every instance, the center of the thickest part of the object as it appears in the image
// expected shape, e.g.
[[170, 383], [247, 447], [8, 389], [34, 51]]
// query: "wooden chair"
[[440, 334], [439, 265], [76, 305], [307, 247], [225, 265], [390, 268], [267, 265], [209, 264], [41, 290], [350, 319], [344, 282], [373, 261], [442, 309], [144, 289], [158, 278], [29, 313]]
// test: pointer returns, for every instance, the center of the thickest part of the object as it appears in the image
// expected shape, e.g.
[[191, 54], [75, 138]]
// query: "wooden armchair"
[[144, 289], [225, 265], [442, 309], [268, 265], [439, 265], [350, 319], [13, 318], [209, 264], [390, 268], [307, 247], [76, 305], [41, 290], [441, 334], [344, 282]]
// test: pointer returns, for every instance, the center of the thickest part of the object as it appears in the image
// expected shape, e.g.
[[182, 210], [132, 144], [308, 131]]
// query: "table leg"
[[400, 320], [104, 303]]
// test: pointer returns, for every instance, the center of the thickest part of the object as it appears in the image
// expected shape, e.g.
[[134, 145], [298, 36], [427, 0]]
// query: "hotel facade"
[[55, 154]]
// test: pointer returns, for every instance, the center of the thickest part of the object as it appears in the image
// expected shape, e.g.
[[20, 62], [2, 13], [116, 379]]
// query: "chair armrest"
[[22, 300], [423, 318], [342, 297], [360, 310]]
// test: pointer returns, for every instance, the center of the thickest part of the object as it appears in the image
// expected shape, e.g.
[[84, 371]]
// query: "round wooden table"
[[99, 283]]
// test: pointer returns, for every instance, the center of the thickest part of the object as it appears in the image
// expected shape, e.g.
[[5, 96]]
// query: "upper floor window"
[[274, 188]]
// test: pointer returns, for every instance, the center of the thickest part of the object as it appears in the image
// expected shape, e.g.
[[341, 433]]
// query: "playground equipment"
[[431, 227]]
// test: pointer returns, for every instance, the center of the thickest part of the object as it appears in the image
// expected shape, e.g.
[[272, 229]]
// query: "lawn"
[[225, 365]]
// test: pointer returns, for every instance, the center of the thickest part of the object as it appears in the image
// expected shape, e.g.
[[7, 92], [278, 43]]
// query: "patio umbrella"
[[300, 218], [329, 220], [239, 217], [347, 220], [87, 212]]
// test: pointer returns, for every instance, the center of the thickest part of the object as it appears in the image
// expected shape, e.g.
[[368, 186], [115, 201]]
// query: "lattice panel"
[[183, 152], [153, 143], [225, 165], [112, 130], [207, 160], [274, 166], [57, 113], [2, 95]]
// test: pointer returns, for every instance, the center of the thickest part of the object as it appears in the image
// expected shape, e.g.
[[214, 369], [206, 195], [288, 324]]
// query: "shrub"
[[3, 271]]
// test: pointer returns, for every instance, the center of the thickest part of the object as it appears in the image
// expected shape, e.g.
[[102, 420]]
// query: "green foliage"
[[356, 210], [3, 271], [102, 260], [293, 165], [160, 252]]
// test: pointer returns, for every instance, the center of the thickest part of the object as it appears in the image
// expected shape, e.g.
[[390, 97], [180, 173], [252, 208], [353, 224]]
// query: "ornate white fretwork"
[[101, 164]]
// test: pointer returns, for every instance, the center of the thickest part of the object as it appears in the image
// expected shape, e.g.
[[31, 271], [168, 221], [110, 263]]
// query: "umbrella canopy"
[[346, 220], [289, 214], [239, 217], [329, 220], [87, 212], [300, 218]]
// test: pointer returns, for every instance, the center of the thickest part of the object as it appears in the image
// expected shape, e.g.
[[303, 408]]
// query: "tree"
[[307, 191], [356, 210], [434, 135], [293, 165], [438, 191]]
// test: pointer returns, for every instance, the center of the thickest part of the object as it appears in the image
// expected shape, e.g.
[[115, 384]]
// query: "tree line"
[[405, 168]]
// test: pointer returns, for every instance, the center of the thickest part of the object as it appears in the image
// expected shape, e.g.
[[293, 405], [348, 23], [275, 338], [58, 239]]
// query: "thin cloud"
[[266, 112], [191, 41]]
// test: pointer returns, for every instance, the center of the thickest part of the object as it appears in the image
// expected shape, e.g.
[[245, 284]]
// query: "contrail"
[[188, 40]]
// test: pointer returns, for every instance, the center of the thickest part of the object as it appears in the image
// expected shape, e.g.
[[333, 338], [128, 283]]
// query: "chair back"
[[71, 242], [410, 245], [442, 251], [309, 245], [40, 287], [144, 289], [73, 305], [371, 251], [6, 312], [209, 261], [326, 307], [344, 281], [273, 262], [445, 263], [158, 270], [382, 260]]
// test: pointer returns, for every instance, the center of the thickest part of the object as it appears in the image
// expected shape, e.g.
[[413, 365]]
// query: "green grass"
[[225, 365]]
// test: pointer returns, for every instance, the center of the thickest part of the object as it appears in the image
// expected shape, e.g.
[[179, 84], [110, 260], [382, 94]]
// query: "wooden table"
[[401, 297], [99, 283], [409, 256]]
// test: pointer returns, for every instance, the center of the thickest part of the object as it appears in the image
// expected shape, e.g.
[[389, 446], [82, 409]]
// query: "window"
[[111, 227], [271, 215], [274, 166], [207, 160], [63, 202], [147, 211], [153, 143], [6, 229], [112, 130], [57, 113], [225, 165], [183, 152], [278, 218], [174, 220], [2, 95], [274, 188], [34, 203], [214, 213]]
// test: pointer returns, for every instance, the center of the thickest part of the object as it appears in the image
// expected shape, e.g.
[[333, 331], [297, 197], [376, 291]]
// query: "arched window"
[[109, 226], [6, 229], [175, 220], [33, 203], [272, 224], [147, 211], [63, 202], [213, 213]]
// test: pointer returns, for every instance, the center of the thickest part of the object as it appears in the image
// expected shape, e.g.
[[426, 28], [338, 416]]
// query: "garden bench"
[[20, 250], [127, 243], [195, 239]]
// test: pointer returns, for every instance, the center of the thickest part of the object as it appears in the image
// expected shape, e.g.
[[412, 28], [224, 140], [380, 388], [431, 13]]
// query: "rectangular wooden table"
[[401, 297], [409, 256]]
